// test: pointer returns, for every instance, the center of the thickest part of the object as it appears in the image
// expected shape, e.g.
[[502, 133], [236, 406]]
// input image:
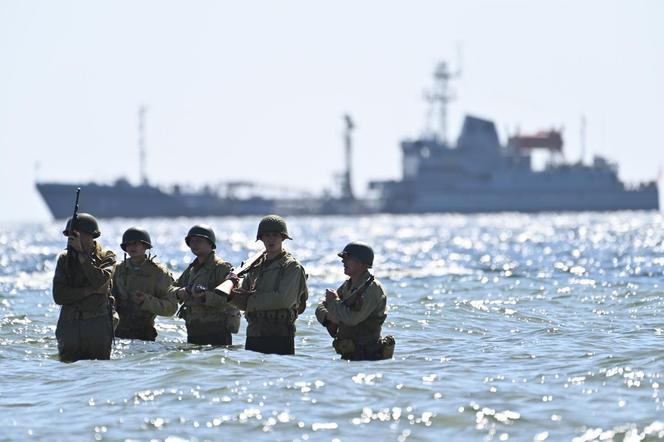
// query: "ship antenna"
[[442, 95], [142, 110], [346, 185], [583, 138]]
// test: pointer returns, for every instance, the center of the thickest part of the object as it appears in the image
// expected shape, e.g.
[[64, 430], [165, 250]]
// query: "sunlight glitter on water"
[[508, 327]]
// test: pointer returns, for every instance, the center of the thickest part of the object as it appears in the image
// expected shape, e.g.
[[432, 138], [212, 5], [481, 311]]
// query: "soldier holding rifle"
[[354, 313], [82, 287], [209, 317], [273, 293]]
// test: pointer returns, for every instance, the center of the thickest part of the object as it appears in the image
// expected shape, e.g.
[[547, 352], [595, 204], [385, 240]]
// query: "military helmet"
[[204, 231], [84, 223], [135, 234], [272, 224], [360, 251]]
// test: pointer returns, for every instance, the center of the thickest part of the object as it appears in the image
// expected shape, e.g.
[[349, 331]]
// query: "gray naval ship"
[[123, 199], [477, 174]]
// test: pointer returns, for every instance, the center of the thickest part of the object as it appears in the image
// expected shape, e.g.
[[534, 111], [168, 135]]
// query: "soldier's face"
[[135, 249], [200, 246], [272, 242], [353, 266]]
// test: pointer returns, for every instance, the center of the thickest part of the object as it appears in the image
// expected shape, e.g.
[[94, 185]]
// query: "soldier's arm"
[[287, 294], [321, 313], [161, 302], [178, 284], [370, 300], [118, 294], [98, 270], [63, 294], [212, 299]]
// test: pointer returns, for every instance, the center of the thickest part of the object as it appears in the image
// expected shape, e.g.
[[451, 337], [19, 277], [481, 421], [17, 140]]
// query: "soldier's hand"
[[182, 294], [331, 295], [74, 241], [233, 277], [332, 329], [138, 297]]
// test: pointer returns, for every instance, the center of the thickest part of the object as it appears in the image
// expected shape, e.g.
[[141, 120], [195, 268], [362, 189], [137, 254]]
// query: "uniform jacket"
[[361, 318], [279, 284], [213, 308], [72, 279], [149, 277]]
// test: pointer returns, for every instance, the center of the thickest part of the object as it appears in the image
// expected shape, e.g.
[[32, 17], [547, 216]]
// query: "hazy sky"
[[256, 90]]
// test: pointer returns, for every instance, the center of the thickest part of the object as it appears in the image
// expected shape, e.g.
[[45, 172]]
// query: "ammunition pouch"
[[271, 323], [344, 346], [374, 351], [279, 316], [233, 321], [387, 345]]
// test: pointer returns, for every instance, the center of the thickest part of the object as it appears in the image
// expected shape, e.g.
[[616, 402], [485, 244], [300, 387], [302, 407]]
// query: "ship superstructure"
[[478, 174]]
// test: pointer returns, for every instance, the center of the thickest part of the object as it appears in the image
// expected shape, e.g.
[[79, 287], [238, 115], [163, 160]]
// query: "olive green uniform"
[[85, 328], [151, 278], [361, 311], [212, 319], [279, 295]]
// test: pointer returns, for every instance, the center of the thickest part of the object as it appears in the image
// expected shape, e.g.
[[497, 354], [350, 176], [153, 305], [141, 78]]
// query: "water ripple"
[[509, 326]]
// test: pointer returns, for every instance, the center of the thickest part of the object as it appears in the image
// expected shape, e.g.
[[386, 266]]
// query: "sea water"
[[508, 327]]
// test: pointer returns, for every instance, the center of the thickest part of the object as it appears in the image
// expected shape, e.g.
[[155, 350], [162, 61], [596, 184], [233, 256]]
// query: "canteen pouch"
[[233, 321], [344, 346], [387, 346]]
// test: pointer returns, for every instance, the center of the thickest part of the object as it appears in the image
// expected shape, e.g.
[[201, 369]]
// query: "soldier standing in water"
[[354, 313], [273, 293], [82, 287], [209, 317], [141, 288]]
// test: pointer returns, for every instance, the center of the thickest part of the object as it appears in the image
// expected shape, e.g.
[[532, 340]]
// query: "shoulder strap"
[[280, 275]]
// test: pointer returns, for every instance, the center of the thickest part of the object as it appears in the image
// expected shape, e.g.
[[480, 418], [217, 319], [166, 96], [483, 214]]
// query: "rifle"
[[73, 224], [226, 287]]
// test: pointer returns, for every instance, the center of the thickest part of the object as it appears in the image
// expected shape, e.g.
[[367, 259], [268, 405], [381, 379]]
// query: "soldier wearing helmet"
[[141, 288], [354, 313], [209, 317], [273, 293], [82, 287]]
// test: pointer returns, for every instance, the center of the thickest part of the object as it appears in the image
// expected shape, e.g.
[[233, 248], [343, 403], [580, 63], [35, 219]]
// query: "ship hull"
[[524, 201], [128, 201]]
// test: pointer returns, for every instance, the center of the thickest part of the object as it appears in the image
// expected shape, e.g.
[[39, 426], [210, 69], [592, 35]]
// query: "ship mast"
[[346, 184], [142, 110], [442, 95], [583, 138]]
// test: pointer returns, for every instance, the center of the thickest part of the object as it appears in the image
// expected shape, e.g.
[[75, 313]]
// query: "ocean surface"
[[508, 327]]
